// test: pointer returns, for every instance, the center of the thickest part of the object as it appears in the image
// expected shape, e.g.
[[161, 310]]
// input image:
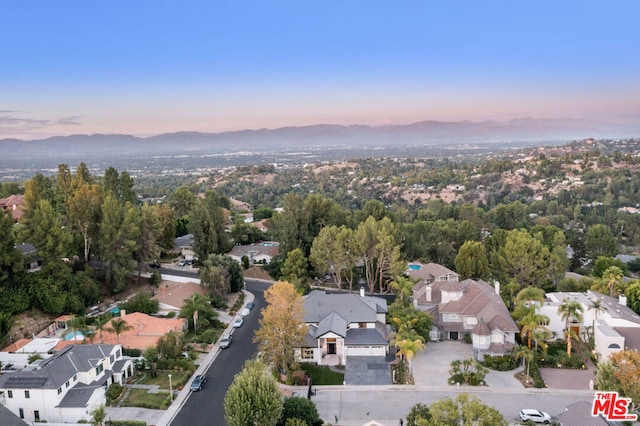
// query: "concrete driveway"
[[431, 367]]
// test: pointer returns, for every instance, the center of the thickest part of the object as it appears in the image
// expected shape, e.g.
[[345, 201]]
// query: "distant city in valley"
[[194, 152]]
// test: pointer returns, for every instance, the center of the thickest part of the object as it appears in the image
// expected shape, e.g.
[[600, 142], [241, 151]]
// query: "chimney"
[[362, 291], [496, 285], [622, 299], [123, 312]]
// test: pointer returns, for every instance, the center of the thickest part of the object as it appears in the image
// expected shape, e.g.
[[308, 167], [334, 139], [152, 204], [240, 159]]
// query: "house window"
[[21, 413], [27, 394], [75, 377], [59, 391], [111, 359], [307, 353], [10, 394], [67, 384], [362, 325], [99, 369], [472, 320], [36, 415], [118, 353]]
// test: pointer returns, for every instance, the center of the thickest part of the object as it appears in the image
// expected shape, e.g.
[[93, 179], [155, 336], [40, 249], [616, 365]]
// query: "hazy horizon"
[[148, 68]]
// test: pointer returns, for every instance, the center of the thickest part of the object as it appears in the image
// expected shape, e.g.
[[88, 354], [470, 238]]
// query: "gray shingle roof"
[[7, 418], [351, 307], [332, 323], [79, 395], [364, 336], [57, 370]]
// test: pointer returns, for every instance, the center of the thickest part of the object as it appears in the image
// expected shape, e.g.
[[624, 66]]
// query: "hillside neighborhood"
[[499, 275]]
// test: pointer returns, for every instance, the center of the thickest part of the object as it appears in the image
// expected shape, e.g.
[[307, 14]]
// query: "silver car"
[[225, 341]]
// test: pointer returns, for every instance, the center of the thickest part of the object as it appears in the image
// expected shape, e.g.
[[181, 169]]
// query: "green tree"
[[198, 311], [612, 278], [246, 233], [523, 258], [118, 326], [83, 207], [182, 200], [203, 228], [50, 238], [282, 329], [170, 345], [527, 355], [328, 255], [402, 288], [253, 398], [602, 263], [570, 310], [465, 410], [119, 236], [295, 270], [98, 415], [214, 278], [10, 258], [141, 302], [472, 262], [148, 238], [600, 241], [633, 296], [304, 409], [417, 413], [229, 269]]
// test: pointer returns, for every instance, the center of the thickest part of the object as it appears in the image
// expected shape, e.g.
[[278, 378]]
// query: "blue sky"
[[149, 67]]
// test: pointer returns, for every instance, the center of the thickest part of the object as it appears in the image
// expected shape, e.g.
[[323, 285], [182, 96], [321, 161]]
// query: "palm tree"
[[529, 295], [598, 308], [191, 307], [539, 337], [612, 277], [530, 323], [527, 356], [118, 326], [403, 288], [570, 310], [408, 348]]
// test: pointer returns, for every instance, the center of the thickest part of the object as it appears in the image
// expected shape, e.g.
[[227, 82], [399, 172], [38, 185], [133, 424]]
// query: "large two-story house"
[[615, 326], [465, 307], [67, 387], [342, 325]]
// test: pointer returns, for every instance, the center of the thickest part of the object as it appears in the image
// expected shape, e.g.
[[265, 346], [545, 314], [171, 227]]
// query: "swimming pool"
[[70, 335], [414, 267]]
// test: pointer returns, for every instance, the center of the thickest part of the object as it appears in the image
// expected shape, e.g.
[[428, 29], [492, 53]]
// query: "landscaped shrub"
[[113, 392], [467, 338], [208, 336], [534, 372], [500, 362], [125, 423], [134, 353], [468, 371]]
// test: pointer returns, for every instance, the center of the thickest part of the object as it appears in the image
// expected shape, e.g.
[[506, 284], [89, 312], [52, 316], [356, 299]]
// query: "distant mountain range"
[[428, 133]]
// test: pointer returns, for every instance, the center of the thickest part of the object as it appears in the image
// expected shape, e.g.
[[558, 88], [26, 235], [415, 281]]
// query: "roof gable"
[[351, 307]]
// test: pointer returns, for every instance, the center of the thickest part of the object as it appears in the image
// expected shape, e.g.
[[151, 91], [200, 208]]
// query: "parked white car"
[[535, 416], [245, 312]]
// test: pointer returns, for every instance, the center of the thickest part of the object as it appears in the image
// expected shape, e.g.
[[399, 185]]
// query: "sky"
[[150, 67]]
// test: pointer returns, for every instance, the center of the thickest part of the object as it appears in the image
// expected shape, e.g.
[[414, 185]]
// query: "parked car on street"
[[225, 341], [245, 312], [250, 305], [238, 323], [198, 382], [535, 416], [182, 263]]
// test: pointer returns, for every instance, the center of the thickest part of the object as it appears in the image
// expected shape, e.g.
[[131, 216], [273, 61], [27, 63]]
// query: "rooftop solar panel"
[[25, 382]]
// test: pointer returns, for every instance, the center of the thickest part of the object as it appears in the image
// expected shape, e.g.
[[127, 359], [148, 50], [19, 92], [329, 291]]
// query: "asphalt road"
[[206, 407]]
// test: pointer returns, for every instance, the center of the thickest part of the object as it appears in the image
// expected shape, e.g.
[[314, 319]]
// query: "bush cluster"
[[500, 362]]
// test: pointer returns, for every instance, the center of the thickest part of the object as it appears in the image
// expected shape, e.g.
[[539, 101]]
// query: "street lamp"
[[170, 388]]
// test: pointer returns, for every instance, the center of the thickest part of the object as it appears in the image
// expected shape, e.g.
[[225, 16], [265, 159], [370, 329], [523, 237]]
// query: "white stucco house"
[[341, 325], [66, 387], [615, 329], [465, 307]]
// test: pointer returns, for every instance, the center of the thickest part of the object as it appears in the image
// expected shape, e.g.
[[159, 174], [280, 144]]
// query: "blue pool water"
[[414, 267], [70, 336]]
